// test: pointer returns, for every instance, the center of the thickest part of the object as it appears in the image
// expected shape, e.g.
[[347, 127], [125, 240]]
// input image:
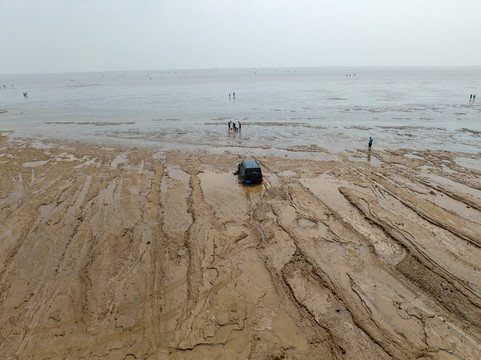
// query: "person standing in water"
[[370, 143]]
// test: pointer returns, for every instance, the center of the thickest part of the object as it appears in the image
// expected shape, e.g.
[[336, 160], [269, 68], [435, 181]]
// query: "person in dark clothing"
[[370, 143]]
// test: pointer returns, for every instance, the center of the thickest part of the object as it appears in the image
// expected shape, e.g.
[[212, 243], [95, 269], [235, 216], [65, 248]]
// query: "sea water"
[[279, 108]]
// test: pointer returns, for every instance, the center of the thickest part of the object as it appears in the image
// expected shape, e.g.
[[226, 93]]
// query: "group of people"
[[472, 97], [233, 95], [25, 95], [233, 127]]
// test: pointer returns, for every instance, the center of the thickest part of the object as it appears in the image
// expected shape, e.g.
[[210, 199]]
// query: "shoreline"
[[180, 140]]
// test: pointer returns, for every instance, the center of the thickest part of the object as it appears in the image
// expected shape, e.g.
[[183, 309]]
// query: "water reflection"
[[236, 135]]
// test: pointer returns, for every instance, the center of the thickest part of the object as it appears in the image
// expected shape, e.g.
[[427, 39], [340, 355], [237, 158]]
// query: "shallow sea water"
[[282, 108]]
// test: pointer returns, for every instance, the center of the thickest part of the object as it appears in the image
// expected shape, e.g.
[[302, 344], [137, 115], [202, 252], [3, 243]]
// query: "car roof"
[[251, 164]]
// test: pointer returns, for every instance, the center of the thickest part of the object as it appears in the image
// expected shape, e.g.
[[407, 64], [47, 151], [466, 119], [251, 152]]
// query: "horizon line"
[[215, 68]]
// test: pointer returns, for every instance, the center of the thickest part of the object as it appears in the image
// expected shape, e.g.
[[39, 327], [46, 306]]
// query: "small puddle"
[[412, 156], [311, 229], [447, 355], [33, 164], [228, 198], [370, 159], [469, 162], [465, 189]]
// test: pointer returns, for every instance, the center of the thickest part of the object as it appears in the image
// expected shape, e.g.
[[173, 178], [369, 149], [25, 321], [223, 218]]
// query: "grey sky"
[[101, 35]]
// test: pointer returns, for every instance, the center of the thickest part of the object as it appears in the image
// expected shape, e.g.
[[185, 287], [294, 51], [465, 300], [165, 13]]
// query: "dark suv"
[[249, 172]]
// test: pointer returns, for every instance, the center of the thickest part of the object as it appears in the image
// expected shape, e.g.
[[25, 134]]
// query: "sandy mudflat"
[[136, 253]]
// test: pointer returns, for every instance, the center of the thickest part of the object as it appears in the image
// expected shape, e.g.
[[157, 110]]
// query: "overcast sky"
[[39, 36]]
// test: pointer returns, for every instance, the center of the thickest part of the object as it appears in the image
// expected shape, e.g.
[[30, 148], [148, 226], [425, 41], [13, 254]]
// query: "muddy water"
[[279, 108], [124, 253]]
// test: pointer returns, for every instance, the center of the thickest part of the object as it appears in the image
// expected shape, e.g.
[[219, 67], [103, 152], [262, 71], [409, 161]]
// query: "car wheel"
[[255, 176]]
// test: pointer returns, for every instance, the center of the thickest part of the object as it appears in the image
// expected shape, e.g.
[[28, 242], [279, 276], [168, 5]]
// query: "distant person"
[[474, 97], [233, 95], [240, 125], [229, 96], [234, 125], [370, 143], [470, 97]]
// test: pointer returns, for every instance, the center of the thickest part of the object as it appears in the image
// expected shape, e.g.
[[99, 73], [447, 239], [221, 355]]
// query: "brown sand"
[[134, 253]]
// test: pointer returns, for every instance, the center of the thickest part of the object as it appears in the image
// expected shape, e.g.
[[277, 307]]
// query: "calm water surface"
[[334, 108]]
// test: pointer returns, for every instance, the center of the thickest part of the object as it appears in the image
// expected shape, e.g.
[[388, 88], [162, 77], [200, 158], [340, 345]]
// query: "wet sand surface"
[[136, 253]]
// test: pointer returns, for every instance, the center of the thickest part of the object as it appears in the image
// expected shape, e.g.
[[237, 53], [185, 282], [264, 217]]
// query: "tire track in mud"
[[74, 221], [11, 207], [393, 347], [114, 263], [77, 222], [428, 211], [453, 195], [147, 259], [436, 282], [42, 288], [369, 336], [354, 306], [202, 218], [411, 176], [208, 251], [456, 174], [230, 255], [417, 257], [170, 256], [441, 219], [346, 341], [193, 260], [317, 335], [201, 222], [152, 335]]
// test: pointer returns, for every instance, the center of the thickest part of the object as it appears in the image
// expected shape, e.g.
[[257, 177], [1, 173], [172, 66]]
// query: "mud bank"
[[135, 253]]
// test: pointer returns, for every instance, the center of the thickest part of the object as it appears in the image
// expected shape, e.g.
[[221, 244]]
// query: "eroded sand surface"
[[131, 253]]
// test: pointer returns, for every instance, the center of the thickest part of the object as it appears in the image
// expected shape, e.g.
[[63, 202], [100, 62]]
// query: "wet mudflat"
[[136, 253]]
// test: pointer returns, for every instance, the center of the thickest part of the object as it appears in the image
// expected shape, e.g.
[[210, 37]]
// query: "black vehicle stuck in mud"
[[249, 172]]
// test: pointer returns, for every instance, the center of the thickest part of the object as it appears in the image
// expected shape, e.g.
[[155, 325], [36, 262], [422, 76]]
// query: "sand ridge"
[[138, 253]]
